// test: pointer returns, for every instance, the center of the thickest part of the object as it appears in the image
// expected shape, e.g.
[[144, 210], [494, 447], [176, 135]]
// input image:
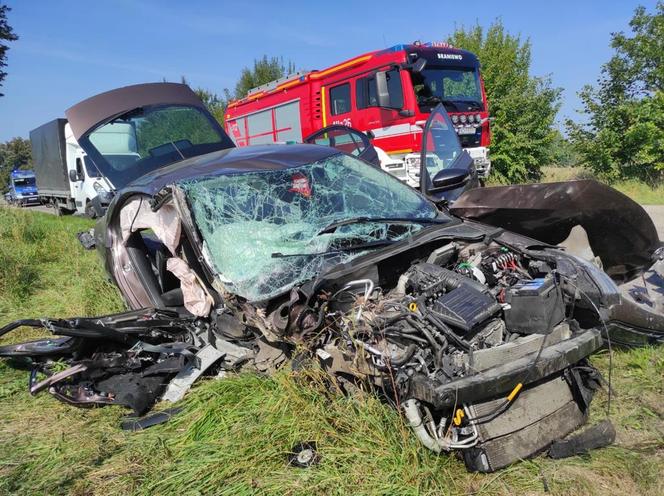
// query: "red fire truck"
[[387, 94]]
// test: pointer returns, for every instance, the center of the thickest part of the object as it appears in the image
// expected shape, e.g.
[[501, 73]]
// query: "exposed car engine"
[[464, 311], [434, 339]]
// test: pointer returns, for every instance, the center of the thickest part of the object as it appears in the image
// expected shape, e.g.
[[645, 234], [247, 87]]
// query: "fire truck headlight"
[[463, 119], [455, 119]]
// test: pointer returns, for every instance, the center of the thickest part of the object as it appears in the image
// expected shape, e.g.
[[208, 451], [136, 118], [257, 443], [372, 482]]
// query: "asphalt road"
[[32, 208], [656, 212]]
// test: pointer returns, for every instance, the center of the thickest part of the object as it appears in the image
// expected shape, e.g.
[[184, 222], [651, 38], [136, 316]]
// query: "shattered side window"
[[261, 230]]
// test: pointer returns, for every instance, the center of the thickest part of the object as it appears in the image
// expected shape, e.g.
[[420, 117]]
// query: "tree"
[[6, 34], [563, 153], [623, 134], [14, 154], [214, 103], [264, 70], [523, 107]]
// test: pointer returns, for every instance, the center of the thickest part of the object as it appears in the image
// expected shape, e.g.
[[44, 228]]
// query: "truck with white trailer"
[[66, 179]]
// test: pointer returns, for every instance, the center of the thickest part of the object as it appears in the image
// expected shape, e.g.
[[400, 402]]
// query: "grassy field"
[[637, 190], [233, 434]]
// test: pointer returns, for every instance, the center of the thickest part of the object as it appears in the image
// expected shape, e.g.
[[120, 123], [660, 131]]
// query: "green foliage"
[[264, 70], [41, 260], [214, 103], [563, 153], [639, 191], [234, 434], [622, 135], [15, 153], [6, 34], [523, 107], [465, 87]]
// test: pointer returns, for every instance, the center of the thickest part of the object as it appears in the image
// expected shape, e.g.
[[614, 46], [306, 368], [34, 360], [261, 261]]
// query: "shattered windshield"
[[265, 231]]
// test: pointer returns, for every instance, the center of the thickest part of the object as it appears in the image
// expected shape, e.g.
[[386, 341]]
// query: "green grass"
[[233, 434], [637, 190]]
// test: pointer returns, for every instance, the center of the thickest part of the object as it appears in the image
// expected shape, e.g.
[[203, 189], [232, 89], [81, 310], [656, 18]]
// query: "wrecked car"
[[243, 258]]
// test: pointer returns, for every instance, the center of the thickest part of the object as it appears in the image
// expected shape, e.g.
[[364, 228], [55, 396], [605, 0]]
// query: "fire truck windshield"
[[458, 88]]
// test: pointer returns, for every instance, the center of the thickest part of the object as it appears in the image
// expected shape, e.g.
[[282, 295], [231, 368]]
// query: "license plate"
[[466, 130]]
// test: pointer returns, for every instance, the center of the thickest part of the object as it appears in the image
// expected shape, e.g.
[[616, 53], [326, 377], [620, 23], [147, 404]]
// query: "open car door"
[[446, 169], [347, 140]]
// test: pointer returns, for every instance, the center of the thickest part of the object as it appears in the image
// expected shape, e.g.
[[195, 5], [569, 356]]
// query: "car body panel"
[[619, 230]]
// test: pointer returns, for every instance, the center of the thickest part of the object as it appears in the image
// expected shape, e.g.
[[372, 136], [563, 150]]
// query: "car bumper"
[[501, 380]]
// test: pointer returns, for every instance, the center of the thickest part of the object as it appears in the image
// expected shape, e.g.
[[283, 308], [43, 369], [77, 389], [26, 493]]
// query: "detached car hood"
[[619, 230]]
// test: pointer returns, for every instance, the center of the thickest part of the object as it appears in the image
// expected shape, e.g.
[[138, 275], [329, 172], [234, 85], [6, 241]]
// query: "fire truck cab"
[[387, 94]]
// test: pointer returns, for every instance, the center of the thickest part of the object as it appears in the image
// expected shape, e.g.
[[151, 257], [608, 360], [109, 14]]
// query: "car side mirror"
[[74, 177], [418, 65], [447, 179]]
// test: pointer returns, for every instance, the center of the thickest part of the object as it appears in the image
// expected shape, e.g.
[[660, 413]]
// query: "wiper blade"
[[389, 220], [362, 246], [474, 103], [449, 102]]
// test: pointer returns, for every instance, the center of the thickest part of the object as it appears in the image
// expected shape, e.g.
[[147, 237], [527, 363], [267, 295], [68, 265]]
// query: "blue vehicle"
[[22, 188]]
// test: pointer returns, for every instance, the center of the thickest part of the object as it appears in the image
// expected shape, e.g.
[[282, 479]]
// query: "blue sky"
[[72, 49]]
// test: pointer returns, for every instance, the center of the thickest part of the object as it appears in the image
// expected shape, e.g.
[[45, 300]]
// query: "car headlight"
[[455, 119], [478, 118], [608, 289], [463, 118]]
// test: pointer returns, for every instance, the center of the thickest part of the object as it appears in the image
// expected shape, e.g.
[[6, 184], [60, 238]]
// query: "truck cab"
[[393, 99], [86, 182], [22, 190]]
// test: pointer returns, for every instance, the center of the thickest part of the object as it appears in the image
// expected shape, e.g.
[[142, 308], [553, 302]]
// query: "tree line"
[[620, 133]]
